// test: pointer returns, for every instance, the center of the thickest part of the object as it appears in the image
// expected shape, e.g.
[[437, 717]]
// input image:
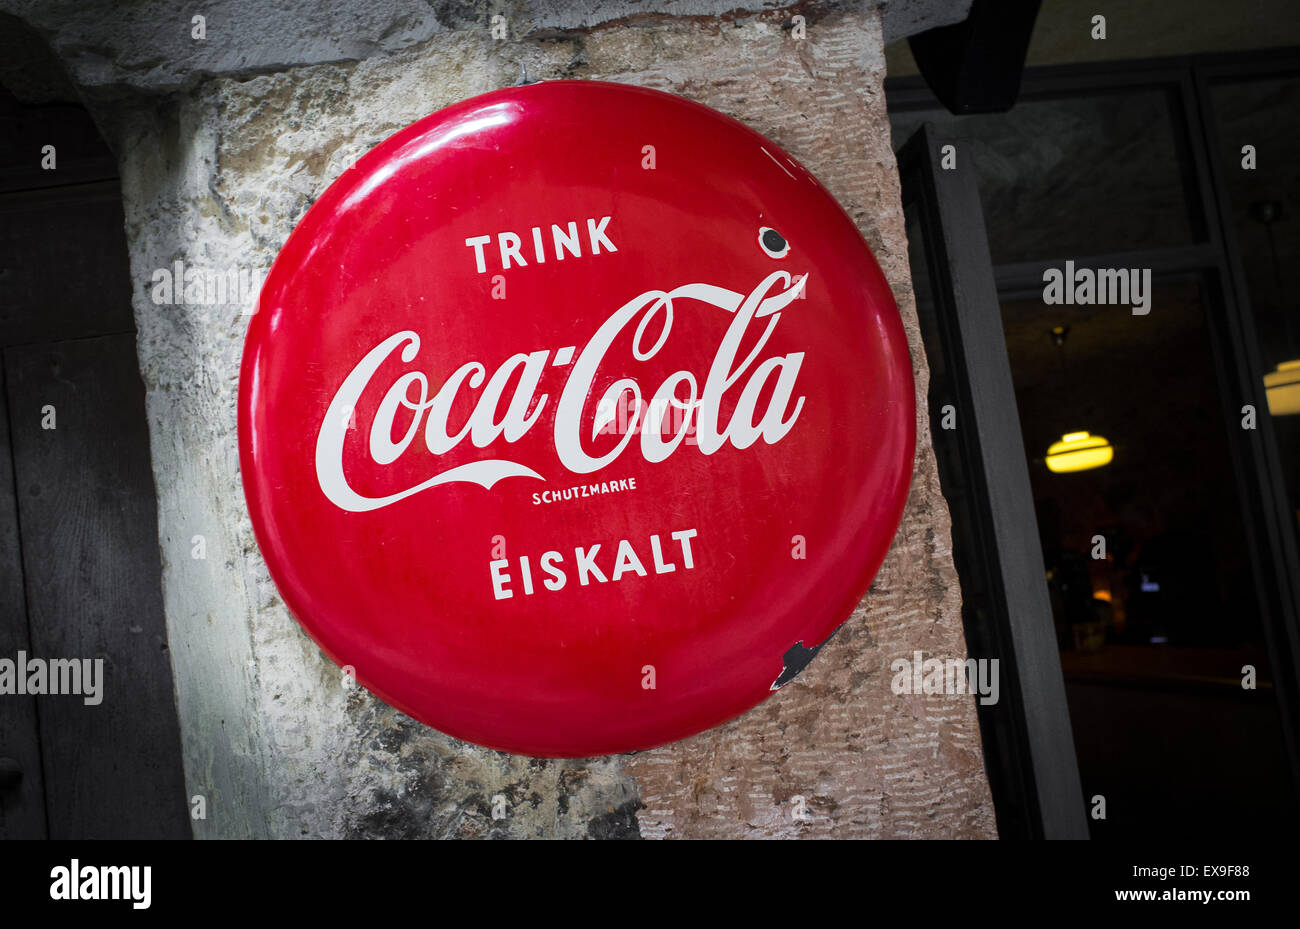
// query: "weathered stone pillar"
[[221, 153]]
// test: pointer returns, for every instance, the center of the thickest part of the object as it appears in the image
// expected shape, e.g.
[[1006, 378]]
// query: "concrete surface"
[[147, 44]]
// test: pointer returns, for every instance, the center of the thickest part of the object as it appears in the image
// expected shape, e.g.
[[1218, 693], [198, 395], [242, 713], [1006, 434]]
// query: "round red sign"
[[574, 418]]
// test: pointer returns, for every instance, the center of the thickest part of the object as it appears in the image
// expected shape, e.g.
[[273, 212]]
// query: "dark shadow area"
[[1172, 594]]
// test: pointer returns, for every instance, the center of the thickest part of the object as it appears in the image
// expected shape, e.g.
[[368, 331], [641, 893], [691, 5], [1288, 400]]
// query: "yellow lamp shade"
[[1283, 388], [1079, 451]]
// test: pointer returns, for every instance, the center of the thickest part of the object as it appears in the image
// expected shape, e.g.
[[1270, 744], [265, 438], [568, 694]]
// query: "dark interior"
[[1157, 627]]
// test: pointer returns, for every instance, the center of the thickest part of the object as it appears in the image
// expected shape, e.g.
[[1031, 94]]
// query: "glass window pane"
[[1076, 175], [1265, 202], [1155, 626]]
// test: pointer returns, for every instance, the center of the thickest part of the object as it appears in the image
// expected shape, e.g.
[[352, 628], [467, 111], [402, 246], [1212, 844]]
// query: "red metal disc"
[[573, 417]]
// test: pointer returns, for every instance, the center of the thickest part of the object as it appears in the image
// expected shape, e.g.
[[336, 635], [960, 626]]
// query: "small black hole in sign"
[[773, 243]]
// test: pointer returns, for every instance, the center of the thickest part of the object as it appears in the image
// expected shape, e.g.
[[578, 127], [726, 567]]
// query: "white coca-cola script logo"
[[746, 425]]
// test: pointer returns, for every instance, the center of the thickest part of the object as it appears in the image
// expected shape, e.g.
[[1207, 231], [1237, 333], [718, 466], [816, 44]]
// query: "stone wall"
[[220, 159]]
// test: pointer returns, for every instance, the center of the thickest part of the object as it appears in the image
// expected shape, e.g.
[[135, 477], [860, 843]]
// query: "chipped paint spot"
[[796, 658]]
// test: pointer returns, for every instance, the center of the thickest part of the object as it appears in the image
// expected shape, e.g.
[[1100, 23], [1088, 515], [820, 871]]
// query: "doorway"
[[80, 571], [1165, 572]]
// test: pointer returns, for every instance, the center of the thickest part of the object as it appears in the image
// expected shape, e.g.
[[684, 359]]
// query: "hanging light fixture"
[[1283, 388], [1079, 451], [1282, 385], [1076, 451]]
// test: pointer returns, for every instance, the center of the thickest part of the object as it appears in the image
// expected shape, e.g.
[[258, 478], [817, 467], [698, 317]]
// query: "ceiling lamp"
[[1282, 385], [1079, 451], [1283, 388]]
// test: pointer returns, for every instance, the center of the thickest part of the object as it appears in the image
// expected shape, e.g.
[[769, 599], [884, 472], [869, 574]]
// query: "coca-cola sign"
[[574, 418]]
